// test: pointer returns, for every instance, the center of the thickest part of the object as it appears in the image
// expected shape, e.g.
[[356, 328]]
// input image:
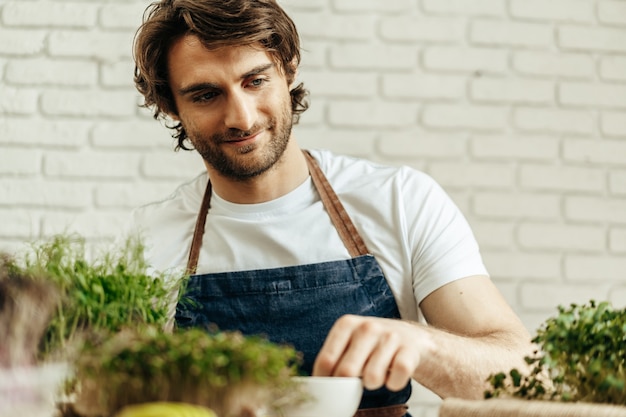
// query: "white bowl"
[[327, 397]]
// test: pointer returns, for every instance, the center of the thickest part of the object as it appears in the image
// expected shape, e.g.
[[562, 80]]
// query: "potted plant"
[[229, 373], [109, 326], [578, 368], [106, 291]]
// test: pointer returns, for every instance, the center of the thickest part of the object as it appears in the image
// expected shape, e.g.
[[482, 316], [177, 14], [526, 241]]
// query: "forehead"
[[189, 61]]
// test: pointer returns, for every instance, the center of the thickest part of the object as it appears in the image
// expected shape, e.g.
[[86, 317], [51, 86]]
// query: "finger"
[[365, 339], [376, 370], [402, 367], [334, 346]]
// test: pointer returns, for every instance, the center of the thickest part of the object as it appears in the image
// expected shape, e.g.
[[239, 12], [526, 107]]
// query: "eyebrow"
[[212, 86]]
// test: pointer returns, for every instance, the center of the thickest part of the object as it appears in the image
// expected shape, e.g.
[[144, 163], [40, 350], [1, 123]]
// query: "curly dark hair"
[[216, 23]]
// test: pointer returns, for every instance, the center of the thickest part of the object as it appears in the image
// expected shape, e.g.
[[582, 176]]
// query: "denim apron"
[[296, 305]]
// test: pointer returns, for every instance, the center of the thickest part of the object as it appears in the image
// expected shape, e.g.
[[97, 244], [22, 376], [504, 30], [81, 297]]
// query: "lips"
[[243, 138]]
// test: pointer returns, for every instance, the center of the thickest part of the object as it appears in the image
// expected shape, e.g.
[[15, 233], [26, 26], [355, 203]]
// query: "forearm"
[[459, 366]]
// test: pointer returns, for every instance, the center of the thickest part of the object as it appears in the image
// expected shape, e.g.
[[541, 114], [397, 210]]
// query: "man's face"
[[234, 104]]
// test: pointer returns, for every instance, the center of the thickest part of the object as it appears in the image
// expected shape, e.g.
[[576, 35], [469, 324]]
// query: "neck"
[[285, 176]]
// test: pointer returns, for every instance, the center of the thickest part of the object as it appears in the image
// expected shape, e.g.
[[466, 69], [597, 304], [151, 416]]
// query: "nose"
[[240, 111]]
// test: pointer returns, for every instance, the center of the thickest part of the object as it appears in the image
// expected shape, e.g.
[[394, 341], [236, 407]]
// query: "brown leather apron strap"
[[392, 411], [198, 232], [338, 215]]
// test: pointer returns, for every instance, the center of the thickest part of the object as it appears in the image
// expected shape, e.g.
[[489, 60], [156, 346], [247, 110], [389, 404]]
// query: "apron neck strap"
[[198, 231], [338, 215]]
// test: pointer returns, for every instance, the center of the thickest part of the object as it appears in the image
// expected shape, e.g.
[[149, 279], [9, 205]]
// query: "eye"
[[207, 96], [258, 82]]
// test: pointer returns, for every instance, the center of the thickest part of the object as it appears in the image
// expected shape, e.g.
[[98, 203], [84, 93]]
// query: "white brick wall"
[[517, 107]]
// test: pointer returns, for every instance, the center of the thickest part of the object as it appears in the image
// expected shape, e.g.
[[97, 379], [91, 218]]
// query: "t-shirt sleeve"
[[442, 244]]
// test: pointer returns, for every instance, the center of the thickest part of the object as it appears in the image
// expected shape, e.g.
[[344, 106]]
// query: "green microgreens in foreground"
[[581, 357]]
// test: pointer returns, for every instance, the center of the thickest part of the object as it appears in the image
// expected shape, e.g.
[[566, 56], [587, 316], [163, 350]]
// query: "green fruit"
[[165, 409]]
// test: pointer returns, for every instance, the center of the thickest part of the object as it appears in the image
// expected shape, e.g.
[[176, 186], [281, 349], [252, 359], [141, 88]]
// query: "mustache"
[[233, 134]]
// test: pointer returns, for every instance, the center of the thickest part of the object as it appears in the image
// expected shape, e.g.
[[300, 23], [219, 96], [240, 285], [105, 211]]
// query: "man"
[[345, 259]]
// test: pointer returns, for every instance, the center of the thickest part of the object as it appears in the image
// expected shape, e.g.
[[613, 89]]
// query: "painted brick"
[[594, 268], [122, 16], [103, 46], [480, 118], [419, 145], [90, 165], [369, 57], [90, 225], [171, 165], [562, 178], [460, 197], [514, 205], [18, 100], [88, 103], [47, 13], [118, 74], [389, 6], [592, 38], [39, 192], [550, 64], [21, 42], [613, 124], [20, 161], [338, 84], [416, 29], [494, 235], [314, 55], [347, 113], [551, 120], [611, 152], [472, 8], [617, 297], [45, 71], [18, 224], [595, 209], [525, 147], [315, 114], [493, 90], [597, 95], [617, 240], [131, 135], [500, 32], [558, 237], [613, 68], [544, 297], [129, 195], [612, 12], [58, 133], [343, 141], [292, 5], [617, 183], [423, 86], [339, 27], [522, 266], [489, 175], [483, 60], [560, 10]]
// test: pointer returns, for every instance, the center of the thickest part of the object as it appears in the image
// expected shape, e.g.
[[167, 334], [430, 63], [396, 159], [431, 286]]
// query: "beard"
[[242, 166]]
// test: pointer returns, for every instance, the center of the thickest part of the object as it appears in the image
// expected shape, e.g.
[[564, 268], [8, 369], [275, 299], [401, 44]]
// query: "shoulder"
[[347, 173], [168, 217]]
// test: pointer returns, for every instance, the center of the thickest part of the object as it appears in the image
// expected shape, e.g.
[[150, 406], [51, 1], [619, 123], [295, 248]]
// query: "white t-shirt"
[[416, 233]]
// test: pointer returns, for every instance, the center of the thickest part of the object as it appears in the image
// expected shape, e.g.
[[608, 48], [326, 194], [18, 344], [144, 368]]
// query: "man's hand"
[[381, 351], [471, 333]]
